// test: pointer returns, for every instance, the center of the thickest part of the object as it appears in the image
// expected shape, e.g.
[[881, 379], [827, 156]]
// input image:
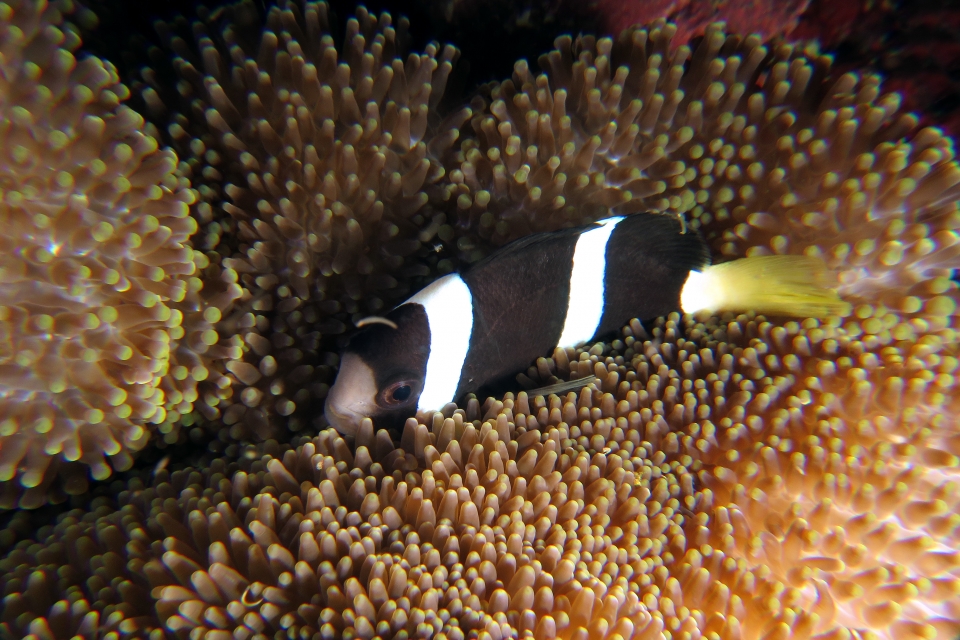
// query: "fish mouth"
[[352, 396], [345, 422]]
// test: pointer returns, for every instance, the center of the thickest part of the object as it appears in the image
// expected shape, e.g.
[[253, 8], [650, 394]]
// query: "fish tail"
[[772, 285]]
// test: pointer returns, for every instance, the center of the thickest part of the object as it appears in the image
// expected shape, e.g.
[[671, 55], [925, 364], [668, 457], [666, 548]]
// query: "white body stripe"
[[585, 305], [449, 307]]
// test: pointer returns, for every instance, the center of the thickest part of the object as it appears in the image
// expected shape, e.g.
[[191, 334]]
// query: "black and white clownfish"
[[472, 330]]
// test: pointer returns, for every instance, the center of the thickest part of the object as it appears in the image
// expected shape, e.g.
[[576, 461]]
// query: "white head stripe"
[[585, 304], [449, 307]]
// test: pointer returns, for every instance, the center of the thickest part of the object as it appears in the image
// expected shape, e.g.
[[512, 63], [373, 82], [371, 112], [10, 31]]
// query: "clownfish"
[[477, 329]]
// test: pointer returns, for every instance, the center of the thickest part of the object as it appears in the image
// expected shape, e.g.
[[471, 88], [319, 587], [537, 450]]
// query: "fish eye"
[[397, 393]]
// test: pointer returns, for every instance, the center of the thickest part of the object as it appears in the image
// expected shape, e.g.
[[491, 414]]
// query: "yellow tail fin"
[[772, 285]]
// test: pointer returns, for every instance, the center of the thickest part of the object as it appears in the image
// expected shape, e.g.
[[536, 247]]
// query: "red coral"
[[832, 22], [767, 17]]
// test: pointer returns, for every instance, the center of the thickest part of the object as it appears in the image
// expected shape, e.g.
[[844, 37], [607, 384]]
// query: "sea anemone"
[[728, 476], [83, 578], [95, 262], [634, 124], [315, 165], [686, 491], [368, 542]]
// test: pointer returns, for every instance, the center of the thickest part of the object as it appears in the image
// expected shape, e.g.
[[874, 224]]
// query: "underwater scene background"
[[197, 203]]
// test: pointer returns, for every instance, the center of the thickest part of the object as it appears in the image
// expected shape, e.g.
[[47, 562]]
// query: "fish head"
[[382, 371]]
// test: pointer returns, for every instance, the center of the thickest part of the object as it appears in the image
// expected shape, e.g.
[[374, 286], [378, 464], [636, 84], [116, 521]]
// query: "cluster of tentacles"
[[725, 477]]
